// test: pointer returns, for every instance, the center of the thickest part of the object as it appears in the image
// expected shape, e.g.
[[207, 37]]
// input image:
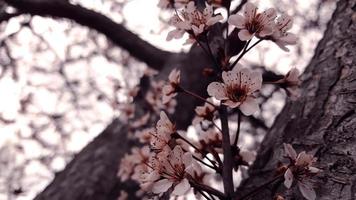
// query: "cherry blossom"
[[300, 169], [173, 170], [169, 91], [253, 23], [280, 35], [205, 112], [155, 99], [192, 20], [237, 89], [162, 136]]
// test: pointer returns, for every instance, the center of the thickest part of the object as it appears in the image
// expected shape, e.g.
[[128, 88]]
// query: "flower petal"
[[307, 190], [161, 186], [288, 178], [249, 106], [250, 10], [245, 35], [237, 20], [181, 188], [217, 90], [289, 150]]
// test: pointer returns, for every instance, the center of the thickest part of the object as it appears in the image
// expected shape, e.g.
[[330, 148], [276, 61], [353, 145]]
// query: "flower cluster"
[[300, 169], [264, 26], [192, 21], [171, 162], [169, 91], [237, 89]]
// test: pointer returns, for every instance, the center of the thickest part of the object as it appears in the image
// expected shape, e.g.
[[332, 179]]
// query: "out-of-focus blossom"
[[162, 136], [127, 111], [292, 83], [205, 112], [247, 156], [154, 98], [131, 163], [192, 21], [301, 169], [237, 89], [280, 35], [170, 90], [123, 195], [252, 23]]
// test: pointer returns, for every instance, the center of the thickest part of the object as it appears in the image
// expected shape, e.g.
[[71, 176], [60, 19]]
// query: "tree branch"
[[117, 33]]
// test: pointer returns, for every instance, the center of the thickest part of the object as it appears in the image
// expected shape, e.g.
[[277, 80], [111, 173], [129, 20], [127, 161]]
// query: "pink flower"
[[301, 169], [161, 137], [155, 99], [253, 23], [169, 91], [173, 169], [237, 89], [280, 35], [205, 112], [192, 20]]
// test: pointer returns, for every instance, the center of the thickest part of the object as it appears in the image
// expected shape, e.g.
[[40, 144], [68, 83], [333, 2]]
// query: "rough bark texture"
[[323, 120]]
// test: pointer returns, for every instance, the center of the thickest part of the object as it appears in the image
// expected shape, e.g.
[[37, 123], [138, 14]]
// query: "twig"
[[238, 128], [228, 162]]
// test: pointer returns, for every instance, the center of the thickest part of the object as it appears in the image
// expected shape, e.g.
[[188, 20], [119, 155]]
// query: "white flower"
[[155, 99], [237, 89], [280, 35], [253, 23], [248, 156], [161, 137], [173, 170], [169, 91], [300, 169], [193, 21], [205, 112]]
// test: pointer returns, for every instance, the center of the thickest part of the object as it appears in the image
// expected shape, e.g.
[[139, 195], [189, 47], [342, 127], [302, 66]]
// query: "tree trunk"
[[323, 121]]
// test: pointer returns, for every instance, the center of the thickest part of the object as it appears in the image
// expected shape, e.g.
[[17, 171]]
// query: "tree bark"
[[323, 121]]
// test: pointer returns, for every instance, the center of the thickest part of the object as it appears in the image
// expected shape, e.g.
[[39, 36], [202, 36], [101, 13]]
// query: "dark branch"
[[117, 33]]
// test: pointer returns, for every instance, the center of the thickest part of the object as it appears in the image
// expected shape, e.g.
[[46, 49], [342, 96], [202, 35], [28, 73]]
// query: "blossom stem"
[[246, 49], [260, 187], [204, 163], [203, 194], [197, 149], [211, 52], [208, 52], [207, 189], [196, 96], [226, 145], [238, 128]]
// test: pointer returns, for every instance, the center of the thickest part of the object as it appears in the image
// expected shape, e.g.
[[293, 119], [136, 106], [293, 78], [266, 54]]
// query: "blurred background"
[[62, 83]]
